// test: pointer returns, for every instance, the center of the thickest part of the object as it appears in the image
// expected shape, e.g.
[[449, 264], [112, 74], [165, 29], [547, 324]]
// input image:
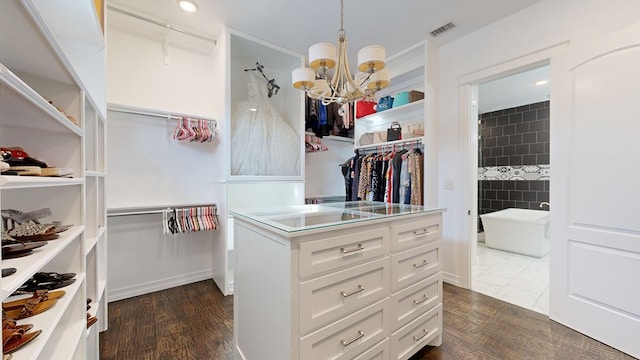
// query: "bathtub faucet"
[[542, 204]]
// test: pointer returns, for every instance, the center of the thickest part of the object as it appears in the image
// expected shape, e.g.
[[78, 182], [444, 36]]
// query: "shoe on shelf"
[[33, 306], [14, 339], [91, 320], [17, 249], [49, 284], [42, 295], [8, 271]]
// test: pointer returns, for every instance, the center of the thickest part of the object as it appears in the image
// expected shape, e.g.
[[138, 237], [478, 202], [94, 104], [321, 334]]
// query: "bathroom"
[[511, 262]]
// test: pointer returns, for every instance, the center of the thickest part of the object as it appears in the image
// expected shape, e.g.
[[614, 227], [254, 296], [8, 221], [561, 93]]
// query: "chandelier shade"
[[371, 59], [322, 54], [303, 78], [320, 82]]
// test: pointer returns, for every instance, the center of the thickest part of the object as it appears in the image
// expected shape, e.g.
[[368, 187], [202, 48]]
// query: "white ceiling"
[[297, 24], [514, 90]]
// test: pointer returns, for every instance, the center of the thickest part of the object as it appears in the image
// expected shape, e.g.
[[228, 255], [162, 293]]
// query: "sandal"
[[10, 251], [11, 324], [32, 307], [52, 276], [52, 284], [14, 339], [43, 295], [91, 320], [8, 271]]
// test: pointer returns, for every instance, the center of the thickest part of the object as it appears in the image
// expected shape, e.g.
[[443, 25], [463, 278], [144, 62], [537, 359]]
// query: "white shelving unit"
[[408, 71], [52, 105]]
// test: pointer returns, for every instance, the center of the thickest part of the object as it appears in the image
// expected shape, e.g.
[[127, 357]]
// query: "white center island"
[[353, 280]]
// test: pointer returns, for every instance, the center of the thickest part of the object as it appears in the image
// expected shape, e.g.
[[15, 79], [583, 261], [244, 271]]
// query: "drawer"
[[415, 233], [342, 250], [382, 351], [414, 265], [348, 337], [331, 297], [415, 300], [418, 333]]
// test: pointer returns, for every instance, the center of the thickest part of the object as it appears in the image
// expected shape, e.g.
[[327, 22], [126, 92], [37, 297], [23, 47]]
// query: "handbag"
[[385, 102], [394, 132], [364, 108]]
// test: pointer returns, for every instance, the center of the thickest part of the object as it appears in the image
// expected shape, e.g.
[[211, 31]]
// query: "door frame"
[[468, 141]]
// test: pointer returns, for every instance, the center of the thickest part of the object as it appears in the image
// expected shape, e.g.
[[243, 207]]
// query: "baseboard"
[[450, 278], [157, 285]]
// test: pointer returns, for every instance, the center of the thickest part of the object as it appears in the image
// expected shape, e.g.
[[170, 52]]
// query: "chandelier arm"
[[342, 87]]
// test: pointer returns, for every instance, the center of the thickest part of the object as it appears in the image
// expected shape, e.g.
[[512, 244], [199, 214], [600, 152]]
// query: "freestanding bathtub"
[[521, 231]]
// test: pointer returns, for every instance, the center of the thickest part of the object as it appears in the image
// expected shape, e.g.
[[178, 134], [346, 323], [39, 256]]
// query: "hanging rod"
[[154, 210], [398, 144], [166, 26], [148, 112]]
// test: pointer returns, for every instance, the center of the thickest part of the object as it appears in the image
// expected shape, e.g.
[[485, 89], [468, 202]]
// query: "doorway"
[[512, 142]]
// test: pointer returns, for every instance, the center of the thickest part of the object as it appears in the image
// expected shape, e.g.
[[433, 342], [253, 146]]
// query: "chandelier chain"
[[341, 15]]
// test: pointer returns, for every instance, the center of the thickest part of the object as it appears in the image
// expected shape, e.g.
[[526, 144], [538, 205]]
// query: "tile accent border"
[[518, 172]]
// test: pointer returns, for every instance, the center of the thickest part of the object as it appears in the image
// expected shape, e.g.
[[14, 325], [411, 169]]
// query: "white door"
[[595, 189]]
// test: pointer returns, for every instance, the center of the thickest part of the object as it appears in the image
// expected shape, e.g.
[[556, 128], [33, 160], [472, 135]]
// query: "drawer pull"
[[358, 248], [418, 302], [424, 333], [360, 289], [347, 343], [421, 232], [424, 263]]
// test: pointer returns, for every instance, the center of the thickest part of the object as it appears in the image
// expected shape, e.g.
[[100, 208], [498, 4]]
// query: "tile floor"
[[518, 279]]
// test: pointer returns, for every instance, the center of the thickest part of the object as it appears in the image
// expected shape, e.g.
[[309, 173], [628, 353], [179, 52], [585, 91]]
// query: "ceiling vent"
[[442, 29]]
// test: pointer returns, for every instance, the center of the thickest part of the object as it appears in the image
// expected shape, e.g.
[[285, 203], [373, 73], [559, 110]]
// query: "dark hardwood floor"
[[195, 321]]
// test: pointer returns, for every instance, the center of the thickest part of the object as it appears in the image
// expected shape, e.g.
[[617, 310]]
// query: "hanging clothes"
[[392, 177], [262, 142]]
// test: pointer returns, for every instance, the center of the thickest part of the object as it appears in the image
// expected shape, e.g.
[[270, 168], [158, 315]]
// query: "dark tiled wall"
[[515, 136], [502, 194]]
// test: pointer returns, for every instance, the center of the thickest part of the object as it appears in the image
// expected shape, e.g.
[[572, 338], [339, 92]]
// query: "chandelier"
[[340, 87]]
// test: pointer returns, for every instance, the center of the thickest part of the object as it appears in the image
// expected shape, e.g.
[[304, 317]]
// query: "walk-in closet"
[[211, 179]]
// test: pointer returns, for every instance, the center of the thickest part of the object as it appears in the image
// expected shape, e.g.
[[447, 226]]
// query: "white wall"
[[140, 75], [531, 35], [323, 176]]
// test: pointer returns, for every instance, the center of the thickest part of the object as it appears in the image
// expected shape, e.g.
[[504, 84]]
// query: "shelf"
[[391, 143], [29, 265], [338, 138], [71, 337], [50, 322], [25, 182], [91, 173], [89, 244], [405, 112], [22, 113], [84, 28], [28, 49], [102, 286]]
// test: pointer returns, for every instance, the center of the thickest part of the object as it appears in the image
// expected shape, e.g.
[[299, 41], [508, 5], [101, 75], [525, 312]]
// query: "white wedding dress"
[[262, 142]]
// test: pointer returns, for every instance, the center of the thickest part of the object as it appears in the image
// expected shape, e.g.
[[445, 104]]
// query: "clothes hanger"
[[272, 87]]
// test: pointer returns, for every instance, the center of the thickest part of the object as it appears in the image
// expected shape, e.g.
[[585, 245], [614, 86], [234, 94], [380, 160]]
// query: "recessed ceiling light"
[[540, 82], [188, 5]]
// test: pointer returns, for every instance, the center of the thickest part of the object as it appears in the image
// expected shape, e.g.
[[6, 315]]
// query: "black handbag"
[[394, 132]]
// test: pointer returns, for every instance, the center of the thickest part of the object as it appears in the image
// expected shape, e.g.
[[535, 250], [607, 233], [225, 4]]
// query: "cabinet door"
[[418, 333], [331, 297], [415, 233], [348, 337], [416, 299], [342, 250], [413, 265]]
